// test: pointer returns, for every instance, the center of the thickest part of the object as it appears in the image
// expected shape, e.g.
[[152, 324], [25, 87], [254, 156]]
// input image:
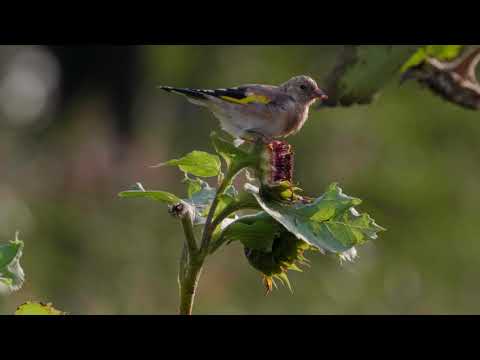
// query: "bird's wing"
[[245, 94]]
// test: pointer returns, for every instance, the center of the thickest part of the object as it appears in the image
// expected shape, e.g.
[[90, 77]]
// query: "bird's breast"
[[295, 121]]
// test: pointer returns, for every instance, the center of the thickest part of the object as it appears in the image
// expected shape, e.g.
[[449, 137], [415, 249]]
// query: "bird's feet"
[[256, 137]]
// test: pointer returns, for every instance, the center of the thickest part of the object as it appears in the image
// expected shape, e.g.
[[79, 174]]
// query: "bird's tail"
[[190, 93]]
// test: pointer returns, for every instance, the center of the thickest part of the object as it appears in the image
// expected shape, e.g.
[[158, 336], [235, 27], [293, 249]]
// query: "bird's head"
[[304, 89]]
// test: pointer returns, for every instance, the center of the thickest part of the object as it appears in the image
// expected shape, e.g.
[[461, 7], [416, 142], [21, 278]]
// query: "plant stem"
[[193, 258], [191, 267], [191, 242], [209, 228], [191, 263], [188, 285]]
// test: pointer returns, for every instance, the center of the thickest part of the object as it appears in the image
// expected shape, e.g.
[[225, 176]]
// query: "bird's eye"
[[303, 87]]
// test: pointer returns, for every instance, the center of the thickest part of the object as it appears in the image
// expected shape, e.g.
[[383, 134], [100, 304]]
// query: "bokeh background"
[[79, 124]]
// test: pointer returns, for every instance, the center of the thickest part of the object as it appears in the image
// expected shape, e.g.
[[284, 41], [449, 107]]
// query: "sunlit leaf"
[[154, 195], [444, 52], [329, 223], [440, 52], [234, 157], [36, 308], [11, 273], [140, 192], [198, 163]]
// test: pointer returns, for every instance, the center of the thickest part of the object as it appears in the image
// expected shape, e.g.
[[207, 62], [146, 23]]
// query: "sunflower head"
[[276, 163], [276, 172]]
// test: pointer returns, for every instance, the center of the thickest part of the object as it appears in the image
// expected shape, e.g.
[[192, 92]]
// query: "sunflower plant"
[[270, 216]]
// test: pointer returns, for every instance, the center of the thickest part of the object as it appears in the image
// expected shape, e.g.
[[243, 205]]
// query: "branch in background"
[[455, 81], [361, 72]]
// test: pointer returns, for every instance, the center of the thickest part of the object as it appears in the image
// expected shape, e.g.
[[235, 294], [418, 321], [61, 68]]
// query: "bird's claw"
[[257, 137]]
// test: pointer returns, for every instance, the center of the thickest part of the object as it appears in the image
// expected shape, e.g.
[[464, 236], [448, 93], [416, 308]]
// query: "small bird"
[[253, 111]]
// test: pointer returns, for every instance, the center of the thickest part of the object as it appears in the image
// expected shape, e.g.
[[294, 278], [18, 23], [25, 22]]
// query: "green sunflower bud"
[[283, 191], [287, 254]]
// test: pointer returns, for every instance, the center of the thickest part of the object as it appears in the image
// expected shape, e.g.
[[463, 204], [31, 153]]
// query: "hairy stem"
[[191, 268], [188, 284], [193, 258], [191, 242], [191, 263]]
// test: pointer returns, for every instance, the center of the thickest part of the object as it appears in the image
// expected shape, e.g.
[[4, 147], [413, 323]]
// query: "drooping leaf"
[[198, 163], [36, 308], [329, 223], [256, 232], [11, 273], [229, 203], [140, 192]]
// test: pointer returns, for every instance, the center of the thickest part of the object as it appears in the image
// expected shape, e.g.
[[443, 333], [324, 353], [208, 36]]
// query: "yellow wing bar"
[[247, 100]]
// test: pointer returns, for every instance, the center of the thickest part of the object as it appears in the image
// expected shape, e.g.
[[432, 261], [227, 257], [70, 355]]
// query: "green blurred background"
[[80, 124]]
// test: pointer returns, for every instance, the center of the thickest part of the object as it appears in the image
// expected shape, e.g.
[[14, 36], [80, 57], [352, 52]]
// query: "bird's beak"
[[320, 94]]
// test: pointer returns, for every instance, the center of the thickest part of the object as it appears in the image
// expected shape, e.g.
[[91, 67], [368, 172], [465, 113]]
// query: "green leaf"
[[193, 185], [140, 192], [198, 163], [414, 60], [203, 196], [330, 222], [36, 308], [440, 52], [235, 157], [11, 273], [155, 195], [226, 199], [229, 203], [444, 52], [200, 200], [253, 231]]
